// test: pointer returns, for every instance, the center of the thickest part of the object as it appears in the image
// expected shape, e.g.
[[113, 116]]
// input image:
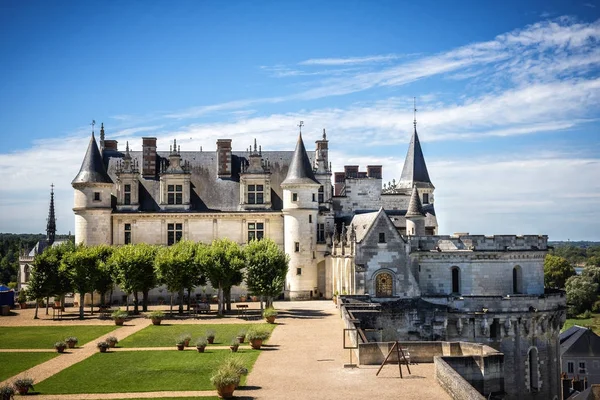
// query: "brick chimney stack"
[[149, 157], [224, 158]]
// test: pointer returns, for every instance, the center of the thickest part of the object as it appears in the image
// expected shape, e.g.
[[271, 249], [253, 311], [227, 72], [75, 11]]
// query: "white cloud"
[[350, 60]]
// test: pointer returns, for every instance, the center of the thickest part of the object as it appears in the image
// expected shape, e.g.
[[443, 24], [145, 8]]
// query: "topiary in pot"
[[225, 380], [119, 317], [186, 337], [112, 341], [210, 336], [269, 314], [235, 343], [256, 335], [180, 343], [241, 336], [102, 346], [201, 344], [7, 393], [60, 346], [71, 341], [23, 385], [156, 317]]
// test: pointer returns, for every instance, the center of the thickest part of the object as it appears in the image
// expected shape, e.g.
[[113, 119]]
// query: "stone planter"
[[61, 349], [156, 321], [256, 343], [119, 321], [241, 339], [210, 339], [200, 349], [181, 346], [187, 343], [103, 349], [270, 320], [234, 348], [71, 345], [226, 392]]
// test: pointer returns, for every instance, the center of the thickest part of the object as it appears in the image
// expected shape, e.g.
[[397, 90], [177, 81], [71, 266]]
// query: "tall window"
[[320, 233], [296, 246], [425, 198], [256, 194], [294, 196], [582, 369], [570, 367], [256, 230], [533, 369], [174, 194], [517, 280], [455, 280], [127, 238], [96, 196], [310, 218], [383, 285], [321, 197], [174, 233], [127, 194], [381, 237]]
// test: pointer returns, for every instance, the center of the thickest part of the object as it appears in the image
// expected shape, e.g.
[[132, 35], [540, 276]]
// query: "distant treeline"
[[11, 244], [578, 253]]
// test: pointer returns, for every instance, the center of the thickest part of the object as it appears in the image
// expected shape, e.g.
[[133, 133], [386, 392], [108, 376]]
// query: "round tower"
[[92, 202], [415, 216], [300, 210]]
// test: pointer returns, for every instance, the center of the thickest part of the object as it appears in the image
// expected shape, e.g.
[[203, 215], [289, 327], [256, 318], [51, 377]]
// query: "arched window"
[[384, 285], [532, 364], [26, 273], [455, 280], [517, 280]]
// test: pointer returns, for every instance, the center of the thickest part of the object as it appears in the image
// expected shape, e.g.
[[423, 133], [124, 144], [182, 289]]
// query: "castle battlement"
[[479, 242]]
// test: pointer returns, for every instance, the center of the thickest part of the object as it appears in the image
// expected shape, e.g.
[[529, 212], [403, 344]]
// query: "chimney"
[[224, 158], [149, 156], [111, 145], [351, 171], [374, 171], [339, 181]]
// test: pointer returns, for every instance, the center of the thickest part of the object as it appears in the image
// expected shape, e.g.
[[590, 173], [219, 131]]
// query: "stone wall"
[[453, 383], [479, 242]]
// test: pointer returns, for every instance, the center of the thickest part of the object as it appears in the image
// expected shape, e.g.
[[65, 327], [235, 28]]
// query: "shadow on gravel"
[[301, 314], [250, 387]]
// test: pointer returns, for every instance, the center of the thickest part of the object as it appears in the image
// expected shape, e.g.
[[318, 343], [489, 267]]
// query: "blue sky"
[[508, 96]]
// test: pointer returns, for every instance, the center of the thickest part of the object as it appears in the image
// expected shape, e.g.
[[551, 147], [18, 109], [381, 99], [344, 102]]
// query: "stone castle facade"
[[355, 236]]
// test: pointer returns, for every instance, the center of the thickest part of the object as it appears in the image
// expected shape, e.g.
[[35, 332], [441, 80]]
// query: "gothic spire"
[[300, 168], [415, 169], [92, 168], [51, 226]]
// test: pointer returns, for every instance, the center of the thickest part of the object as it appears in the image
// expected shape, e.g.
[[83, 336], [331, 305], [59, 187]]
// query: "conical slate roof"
[[414, 169], [92, 168], [301, 171], [415, 208]]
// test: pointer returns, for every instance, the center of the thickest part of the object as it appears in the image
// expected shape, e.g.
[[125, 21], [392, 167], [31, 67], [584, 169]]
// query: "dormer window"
[[174, 194], [294, 196], [425, 198], [381, 237], [321, 197], [127, 194], [96, 196], [256, 194]]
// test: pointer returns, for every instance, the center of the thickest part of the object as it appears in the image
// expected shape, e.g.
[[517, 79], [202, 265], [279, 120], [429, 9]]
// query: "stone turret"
[[51, 225], [300, 210], [92, 203], [415, 216]]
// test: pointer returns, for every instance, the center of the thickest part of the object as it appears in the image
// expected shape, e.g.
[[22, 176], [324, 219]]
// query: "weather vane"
[[301, 124], [93, 123], [415, 111]]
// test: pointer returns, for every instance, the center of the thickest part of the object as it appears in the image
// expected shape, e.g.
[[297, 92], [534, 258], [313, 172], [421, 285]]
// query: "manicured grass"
[[44, 337], [166, 335], [593, 323], [14, 363], [142, 371]]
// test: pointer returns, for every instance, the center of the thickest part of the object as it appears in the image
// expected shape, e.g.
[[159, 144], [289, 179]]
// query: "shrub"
[[23, 383], [234, 342], [201, 342], [119, 314], [102, 345], [185, 336], [112, 341], [22, 297], [6, 392], [180, 341], [60, 344], [269, 312], [586, 314], [72, 339], [225, 376], [156, 314], [236, 364], [242, 332], [210, 333], [258, 332], [596, 307]]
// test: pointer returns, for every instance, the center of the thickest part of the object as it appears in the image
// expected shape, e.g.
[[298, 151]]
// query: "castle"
[[356, 236]]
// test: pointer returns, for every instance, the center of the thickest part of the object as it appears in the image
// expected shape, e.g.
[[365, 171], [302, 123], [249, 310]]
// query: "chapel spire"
[[415, 169], [51, 225]]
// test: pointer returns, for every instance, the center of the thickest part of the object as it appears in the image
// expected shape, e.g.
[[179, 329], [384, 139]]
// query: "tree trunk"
[[269, 302], [92, 303], [171, 304], [189, 302], [47, 304], [181, 293], [136, 310], [227, 294], [81, 297], [127, 303], [220, 299], [145, 300], [37, 306]]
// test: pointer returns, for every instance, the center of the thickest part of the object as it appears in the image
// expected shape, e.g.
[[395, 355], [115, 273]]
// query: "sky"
[[507, 94]]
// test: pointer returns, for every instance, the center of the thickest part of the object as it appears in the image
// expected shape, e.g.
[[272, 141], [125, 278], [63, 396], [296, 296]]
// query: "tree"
[[266, 268], [81, 266], [133, 269], [47, 279], [581, 293], [556, 271], [104, 279], [177, 268], [223, 266]]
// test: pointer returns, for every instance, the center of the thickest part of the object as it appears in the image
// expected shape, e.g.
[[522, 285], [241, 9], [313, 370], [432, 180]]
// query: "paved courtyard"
[[304, 360]]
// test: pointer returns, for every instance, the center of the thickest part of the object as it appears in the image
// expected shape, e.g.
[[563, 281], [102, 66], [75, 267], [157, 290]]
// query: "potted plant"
[[254, 297], [102, 346], [201, 344], [112, 341], [233, 346], [210, 336], [22, 299], [119, 317], [237, 364], [23, 385], [7, 393], [186, 337], [269, 314], [241, 336], [256, 335], [225, 381], [60, 346], [71, 341], [180, 343], [156, 317], [243, 297]]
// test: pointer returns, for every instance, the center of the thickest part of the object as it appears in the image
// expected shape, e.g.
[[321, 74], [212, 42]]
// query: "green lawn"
[[593, 323], [13, 363], [166, 335], [142, 371], [44, 337]]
